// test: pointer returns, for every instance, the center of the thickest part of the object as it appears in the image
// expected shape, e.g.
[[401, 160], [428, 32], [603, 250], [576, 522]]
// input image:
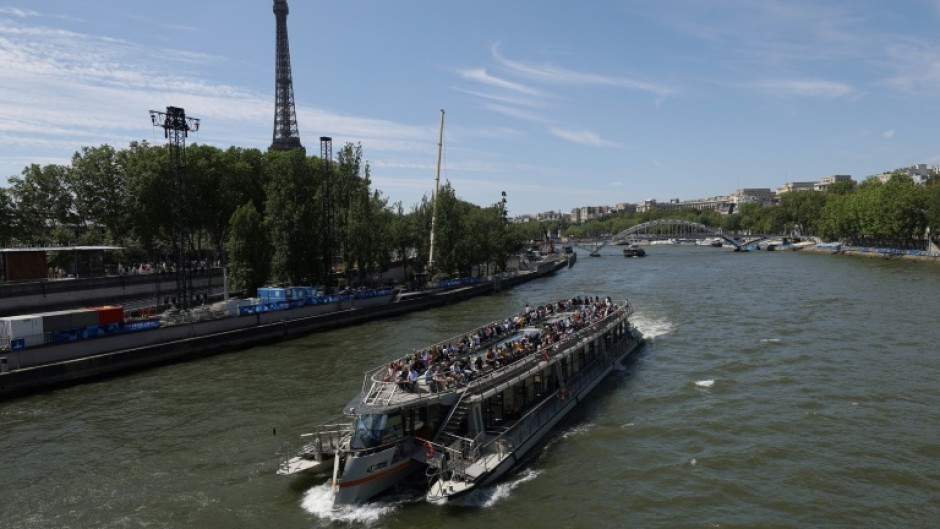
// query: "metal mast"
[[329, 211], [175, 127], [437, 187], [286, 135]]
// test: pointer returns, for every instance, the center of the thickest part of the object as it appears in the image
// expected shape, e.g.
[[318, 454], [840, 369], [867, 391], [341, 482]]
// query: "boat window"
[[494, 410], [511, 407], [519, 401], [368, 433]]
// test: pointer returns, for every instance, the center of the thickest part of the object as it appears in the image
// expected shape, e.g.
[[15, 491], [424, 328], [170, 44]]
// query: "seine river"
[[776, 390]]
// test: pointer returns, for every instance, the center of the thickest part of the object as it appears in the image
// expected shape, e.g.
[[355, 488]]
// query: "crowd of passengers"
[[444, 366]]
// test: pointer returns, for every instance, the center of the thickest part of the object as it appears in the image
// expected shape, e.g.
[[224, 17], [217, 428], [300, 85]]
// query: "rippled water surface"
[[777, 390]]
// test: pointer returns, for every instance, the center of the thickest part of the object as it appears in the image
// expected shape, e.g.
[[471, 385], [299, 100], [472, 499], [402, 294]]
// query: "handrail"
[[623, 308], [552, 401]]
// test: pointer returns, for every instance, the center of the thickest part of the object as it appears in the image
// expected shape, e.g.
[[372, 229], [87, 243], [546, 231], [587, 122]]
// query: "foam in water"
[[490, 496], [705, 383], [771, 340], [577, 430], [652, 328], [318, 501]]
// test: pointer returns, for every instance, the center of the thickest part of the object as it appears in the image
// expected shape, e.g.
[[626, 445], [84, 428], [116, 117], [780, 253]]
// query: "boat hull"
[[366, 476], [445, 490]]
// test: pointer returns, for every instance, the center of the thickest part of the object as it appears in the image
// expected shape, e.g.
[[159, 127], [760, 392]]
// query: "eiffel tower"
[[286, 135]]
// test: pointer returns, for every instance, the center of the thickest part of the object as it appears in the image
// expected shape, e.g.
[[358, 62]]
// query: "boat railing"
[[543, 412], [330, 434], [325, 440], [378, 391], [376, 375], [509, 371], [464, 451]]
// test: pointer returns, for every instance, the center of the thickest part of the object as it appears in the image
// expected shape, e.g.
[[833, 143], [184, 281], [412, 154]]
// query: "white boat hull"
[[442, 490], [364, 477]]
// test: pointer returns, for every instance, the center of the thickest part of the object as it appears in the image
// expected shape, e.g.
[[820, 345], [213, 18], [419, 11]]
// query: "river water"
[[776, 390]]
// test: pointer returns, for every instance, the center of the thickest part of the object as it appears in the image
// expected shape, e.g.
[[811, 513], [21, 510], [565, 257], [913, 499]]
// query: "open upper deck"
[[444, 374]]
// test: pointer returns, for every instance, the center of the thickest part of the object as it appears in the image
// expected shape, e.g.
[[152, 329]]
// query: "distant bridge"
[[673, 229]]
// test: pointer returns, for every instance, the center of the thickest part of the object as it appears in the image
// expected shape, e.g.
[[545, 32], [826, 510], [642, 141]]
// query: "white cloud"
[[583, 137], [17, 12], [888, 134], [480, 75], [505, 99], [558, 75], [804, 88]]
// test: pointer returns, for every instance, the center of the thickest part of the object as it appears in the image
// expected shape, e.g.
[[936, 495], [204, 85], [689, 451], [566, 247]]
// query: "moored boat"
[[634, 251]]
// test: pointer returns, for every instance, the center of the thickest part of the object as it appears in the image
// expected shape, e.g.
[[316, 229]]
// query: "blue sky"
[[560, 104]]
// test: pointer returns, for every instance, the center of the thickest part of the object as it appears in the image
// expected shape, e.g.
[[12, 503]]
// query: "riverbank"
[[77, 362], [917, 256]]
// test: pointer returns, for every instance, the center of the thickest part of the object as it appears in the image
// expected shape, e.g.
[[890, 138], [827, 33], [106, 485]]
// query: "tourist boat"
[[496, 422], [634, 251], [398, 425]]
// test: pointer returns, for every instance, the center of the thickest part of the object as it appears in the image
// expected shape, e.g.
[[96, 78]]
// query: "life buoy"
[[563, 394], [428, 449]]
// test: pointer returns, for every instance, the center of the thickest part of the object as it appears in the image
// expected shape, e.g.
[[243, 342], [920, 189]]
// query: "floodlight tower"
[[328, 222], [286, 135], [175, 127]]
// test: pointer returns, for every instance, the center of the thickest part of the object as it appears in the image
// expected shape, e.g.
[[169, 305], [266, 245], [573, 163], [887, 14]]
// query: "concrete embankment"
[[79, 361], [875, 253], [42, 296]]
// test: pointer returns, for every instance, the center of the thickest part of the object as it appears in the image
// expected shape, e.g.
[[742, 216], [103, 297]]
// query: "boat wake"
[[652, 328], [771, 340], [705, 383], [577, 430], [490, 496], [318, 501]]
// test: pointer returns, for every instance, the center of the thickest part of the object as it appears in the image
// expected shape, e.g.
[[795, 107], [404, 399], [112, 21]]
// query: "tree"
[[43, 203], [7, 218], [932, 212], [902, 205], [401, 233], [98, 183], [149, 197], [248, 249], [802, 210], [292, 218]]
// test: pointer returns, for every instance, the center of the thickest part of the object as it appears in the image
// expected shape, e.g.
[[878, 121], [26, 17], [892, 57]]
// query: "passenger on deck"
[[412, 384], [490, 359], [440, 381], [429, 379]]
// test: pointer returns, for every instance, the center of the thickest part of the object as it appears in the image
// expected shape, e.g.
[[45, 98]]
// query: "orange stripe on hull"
[[360, 481]]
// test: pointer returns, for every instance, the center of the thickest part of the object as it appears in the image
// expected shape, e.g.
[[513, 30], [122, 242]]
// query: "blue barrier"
[[134, 326], [17, 345]]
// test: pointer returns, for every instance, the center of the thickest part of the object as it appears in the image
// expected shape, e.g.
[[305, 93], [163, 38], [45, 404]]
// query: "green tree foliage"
[[802, 211], [249, 251], [7, 218], [149, 197], [292, 218], [98, 184], [932, 211], [42, 203]]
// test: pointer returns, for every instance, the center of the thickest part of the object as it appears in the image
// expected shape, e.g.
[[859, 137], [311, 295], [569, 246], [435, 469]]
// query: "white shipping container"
[[20, 326], [28, 327]]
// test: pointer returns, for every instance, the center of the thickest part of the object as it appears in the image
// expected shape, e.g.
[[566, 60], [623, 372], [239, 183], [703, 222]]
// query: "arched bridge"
[[671, 229]]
